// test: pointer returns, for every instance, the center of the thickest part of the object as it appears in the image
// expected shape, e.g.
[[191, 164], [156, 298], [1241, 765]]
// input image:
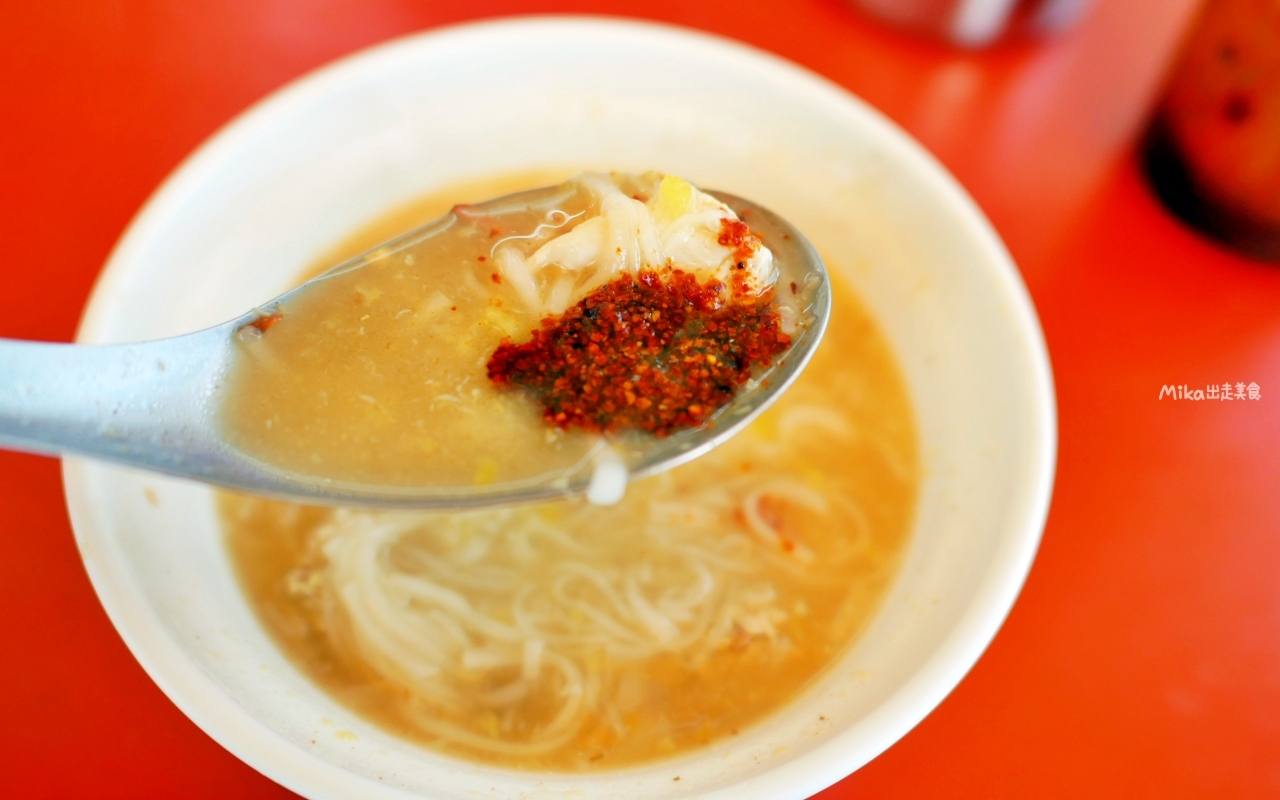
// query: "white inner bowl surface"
[[247, 212]]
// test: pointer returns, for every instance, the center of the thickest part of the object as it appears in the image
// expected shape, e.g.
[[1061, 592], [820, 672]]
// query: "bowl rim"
[[235, 729]]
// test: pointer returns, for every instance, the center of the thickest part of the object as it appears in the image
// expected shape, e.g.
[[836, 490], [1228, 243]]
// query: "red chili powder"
[[653, 352], [736, 234], [263, 324]]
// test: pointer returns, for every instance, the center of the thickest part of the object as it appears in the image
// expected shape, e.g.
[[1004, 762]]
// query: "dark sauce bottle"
[[1213, 154]]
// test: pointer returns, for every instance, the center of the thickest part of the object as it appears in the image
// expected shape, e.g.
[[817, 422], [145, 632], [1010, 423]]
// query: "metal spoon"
[[154, 405]]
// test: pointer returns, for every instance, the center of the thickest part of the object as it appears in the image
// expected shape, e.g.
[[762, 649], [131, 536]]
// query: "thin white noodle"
[[424, 590], [512, 266], [656, 623], [793, 491], [596, 578]]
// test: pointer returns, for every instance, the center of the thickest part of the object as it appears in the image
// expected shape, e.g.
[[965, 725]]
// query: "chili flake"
[[263, 324], [655, 352], [736, 234]]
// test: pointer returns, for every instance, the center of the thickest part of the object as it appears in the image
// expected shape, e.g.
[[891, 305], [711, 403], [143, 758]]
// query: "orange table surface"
[[1143, 657]]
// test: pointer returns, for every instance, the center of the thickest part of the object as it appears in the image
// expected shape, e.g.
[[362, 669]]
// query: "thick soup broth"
[[612, 304], [567, 636]]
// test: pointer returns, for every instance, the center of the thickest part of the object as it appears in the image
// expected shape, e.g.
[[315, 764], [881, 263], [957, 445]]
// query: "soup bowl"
[[287, 180]]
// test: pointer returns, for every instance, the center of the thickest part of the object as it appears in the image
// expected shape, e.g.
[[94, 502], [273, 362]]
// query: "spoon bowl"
[[156, 405]]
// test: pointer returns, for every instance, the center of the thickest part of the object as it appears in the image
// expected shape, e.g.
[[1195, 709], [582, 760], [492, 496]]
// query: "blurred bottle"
[[1214, 152], [975, 23]]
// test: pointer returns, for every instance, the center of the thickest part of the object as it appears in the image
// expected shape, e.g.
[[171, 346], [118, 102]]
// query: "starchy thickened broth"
[[484, 346], [567, 636]]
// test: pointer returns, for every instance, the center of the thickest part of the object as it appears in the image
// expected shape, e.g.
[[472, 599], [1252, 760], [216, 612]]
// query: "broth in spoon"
[[540, 334]]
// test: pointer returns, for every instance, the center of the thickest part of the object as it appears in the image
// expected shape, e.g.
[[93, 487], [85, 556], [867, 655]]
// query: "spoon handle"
[[147, 405]]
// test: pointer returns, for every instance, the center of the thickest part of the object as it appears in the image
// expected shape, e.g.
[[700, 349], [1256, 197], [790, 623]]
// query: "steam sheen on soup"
[[568, 636]]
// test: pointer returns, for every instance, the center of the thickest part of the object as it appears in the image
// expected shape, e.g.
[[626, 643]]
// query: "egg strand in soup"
[[568, 636], [495, 343]]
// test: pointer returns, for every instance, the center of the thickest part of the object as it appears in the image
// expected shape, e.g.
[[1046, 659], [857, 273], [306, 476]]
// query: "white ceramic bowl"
[[235, 224]]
